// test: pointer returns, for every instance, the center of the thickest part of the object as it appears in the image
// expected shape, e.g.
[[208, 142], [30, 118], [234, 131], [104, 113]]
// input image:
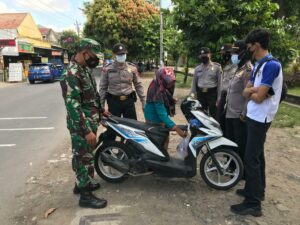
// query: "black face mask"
[[248, 55], [226, 57], [92, 62], [204, 59]]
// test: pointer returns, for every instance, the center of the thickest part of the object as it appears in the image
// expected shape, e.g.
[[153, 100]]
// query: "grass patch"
[[294, 91], [179, 81], [287, 116], [148, 74]]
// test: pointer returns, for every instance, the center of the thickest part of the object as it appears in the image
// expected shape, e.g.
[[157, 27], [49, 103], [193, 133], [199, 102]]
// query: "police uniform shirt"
[[207, 76], [228, 73], [236, 103], [118, 81]]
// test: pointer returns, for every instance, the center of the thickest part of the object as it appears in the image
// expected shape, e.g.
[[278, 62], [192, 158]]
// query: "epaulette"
[[106, 67], [108, 64], [131, 64], [248, 66], [218, 64]]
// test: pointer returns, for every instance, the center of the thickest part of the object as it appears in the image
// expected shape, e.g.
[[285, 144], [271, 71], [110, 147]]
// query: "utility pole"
[[161, 51], [77, 27]]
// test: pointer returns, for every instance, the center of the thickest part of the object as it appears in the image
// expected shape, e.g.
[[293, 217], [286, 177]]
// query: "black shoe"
[[91, 187], [244, 209], [88, 200], [241, 192]]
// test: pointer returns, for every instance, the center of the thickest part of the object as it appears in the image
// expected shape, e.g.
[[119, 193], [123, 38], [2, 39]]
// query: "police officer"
[[116, 85], [206, 81], [228, 72], [236, 103], [83, 106]]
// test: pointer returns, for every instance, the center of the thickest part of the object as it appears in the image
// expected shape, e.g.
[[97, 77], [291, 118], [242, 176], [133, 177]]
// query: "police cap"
[[226, 48], [238, 47], [119, 49], [204, 51]]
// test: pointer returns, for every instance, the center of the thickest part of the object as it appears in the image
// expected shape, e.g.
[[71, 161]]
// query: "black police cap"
[[226, 48], [238, 47], [204, 50], [119, 49]]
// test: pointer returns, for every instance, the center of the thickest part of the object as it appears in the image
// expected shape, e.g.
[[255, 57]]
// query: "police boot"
[[88, 200], [91, 187]]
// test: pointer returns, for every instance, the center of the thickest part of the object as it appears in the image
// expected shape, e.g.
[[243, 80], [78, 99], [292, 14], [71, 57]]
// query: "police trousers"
[[236, 131], [208, 100], [254, 161], [120, 108]]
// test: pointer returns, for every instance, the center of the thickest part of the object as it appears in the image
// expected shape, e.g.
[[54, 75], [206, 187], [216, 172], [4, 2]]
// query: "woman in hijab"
[[160, 104]]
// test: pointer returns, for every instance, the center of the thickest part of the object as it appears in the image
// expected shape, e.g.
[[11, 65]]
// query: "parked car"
[[44, 72]]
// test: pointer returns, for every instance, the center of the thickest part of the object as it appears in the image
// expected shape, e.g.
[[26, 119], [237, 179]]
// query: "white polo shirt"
[[270, 75]]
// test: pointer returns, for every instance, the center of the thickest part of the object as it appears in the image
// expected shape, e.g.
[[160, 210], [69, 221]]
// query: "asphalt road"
[[32, 126]]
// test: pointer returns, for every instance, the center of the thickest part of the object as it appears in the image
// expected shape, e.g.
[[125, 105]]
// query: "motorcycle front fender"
[[221, 141]]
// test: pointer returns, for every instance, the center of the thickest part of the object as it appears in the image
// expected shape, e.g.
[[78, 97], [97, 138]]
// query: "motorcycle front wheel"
[[231, 166]]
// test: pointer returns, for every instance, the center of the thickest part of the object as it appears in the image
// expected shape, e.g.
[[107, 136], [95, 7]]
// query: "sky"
[[56, 14]]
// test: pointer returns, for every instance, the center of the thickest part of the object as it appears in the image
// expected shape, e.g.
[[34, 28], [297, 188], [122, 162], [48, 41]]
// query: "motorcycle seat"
[[153, 127]]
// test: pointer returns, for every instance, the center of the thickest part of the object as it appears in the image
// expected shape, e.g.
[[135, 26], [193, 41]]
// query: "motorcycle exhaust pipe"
[[114, 162]]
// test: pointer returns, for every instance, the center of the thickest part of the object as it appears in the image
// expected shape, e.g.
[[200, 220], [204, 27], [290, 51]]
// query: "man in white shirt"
[[264, 92]]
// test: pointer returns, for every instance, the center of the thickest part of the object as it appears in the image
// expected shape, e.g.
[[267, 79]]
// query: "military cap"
[[226, 48], [87, 43], [119, 49], [204, 51], [238, 47]]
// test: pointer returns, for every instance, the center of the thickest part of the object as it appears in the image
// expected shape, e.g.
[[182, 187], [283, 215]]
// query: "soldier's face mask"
[[91, 61], [121, 58]]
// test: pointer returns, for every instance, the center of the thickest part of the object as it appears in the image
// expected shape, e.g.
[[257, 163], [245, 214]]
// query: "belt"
[[205, 90], [119, 97]]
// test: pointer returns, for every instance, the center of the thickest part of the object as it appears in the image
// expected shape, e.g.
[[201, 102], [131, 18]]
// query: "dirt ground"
[[162, 201]]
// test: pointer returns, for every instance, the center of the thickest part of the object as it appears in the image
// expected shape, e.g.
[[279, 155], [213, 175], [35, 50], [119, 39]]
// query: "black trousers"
[[236, 131], [254, 161], [221, 112], [208, 100], [120, 108]]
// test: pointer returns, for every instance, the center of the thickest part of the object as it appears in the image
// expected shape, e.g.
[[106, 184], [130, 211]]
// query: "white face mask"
[[121, 58]]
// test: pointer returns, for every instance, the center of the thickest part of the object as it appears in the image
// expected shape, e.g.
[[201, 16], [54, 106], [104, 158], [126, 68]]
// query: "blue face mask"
[[121, 58], [235, 59]]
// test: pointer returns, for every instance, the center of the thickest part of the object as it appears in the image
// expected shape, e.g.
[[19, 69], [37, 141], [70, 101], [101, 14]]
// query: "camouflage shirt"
[[82, 99]]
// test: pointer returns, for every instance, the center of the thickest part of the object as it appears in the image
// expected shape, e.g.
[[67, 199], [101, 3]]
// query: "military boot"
[[91, 187], [88, 200]]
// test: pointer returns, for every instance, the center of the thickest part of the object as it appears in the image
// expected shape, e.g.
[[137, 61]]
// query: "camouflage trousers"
[[83, 160]]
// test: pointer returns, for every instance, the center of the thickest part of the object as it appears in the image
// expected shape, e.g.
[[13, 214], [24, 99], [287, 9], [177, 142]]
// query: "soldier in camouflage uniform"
[[83, 106]]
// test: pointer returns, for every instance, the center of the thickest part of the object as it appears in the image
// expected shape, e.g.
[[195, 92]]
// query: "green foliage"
[[134, 23], [287, 116], [215, 22], [294, 91], [73, 36]]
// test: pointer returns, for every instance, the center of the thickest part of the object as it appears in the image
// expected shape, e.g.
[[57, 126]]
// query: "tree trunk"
[[186, 71]]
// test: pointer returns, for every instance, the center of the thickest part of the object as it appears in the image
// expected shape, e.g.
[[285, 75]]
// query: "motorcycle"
[[141, 150]]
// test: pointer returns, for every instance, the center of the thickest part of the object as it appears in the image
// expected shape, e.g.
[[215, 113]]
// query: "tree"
[[69, 40], [213, 23], [135, 23]]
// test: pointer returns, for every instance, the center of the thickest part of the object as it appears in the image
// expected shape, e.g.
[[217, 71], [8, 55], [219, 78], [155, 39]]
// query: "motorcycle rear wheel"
[[230, 163], [107, 173]]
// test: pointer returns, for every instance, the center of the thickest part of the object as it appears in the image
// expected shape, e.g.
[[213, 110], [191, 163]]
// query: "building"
[[30, 44], [59, 55]]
